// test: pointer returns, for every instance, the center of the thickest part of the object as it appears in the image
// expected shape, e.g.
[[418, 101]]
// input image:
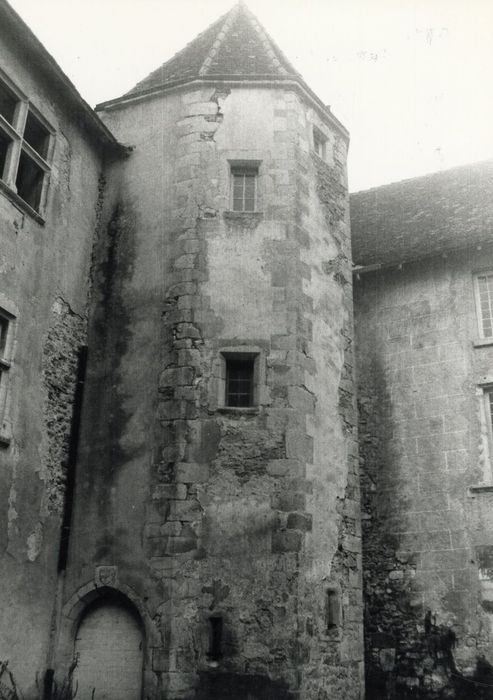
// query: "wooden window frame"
[[18, 146], [244, 168]]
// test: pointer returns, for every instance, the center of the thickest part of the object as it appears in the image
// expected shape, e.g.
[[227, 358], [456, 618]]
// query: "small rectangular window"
[[333, 609], [215, 637], [484, 304], [319, 143], [244, 186], [240, 381]]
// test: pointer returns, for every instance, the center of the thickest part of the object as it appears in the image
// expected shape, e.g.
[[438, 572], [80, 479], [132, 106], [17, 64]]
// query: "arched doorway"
[[109, 648]]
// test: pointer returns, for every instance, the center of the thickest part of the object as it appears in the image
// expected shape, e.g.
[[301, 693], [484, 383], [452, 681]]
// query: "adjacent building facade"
[[423, 263]]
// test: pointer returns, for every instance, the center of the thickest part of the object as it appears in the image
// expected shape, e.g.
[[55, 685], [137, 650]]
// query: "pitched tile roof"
[[235, 45], [423, 216]]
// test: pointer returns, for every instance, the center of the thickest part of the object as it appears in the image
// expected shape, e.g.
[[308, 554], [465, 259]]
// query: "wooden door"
[[109, 646]]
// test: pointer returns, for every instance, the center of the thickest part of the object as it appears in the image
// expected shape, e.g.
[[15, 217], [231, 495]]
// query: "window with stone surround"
[[484, 304], [240, 381], [26, 146], [244, 184], [215, 638], [241, 376], [332, 609], [319, 143]]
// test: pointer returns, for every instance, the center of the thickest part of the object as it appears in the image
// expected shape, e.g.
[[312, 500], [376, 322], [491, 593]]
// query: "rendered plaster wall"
[[44, 273], [426, 535], [202, 511]]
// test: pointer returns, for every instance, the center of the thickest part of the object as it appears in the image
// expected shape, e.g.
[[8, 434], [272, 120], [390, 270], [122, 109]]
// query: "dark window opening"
[[240, 381], [244, 188], [4, 329], [37, 135], [215, 638], [29, 181], [333, 610], [319, 142], [4, 149], [8, 103]]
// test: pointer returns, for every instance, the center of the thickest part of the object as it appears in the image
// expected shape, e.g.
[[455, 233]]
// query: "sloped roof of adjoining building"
[[235, 48], [34, 52], [424, 216]]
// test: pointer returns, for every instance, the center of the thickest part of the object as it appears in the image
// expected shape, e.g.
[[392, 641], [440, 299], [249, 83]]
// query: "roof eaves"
[[267, 80], [399, 261]]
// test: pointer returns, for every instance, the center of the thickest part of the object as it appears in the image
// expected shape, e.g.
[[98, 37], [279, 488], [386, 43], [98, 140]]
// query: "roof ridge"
[[265, 39], [433, 174], [230, 18]]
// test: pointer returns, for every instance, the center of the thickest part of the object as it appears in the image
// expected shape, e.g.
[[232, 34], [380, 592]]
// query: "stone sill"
[[238, 410], [243, 216], [482, 342], [20, 203], [481, 488]]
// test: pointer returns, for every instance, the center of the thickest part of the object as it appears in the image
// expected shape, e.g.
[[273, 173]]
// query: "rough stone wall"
[[428, 624], [65, 336], [233, 514]]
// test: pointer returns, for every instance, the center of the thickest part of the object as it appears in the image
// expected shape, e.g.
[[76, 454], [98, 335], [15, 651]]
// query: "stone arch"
[[91, 597], [109, 647]]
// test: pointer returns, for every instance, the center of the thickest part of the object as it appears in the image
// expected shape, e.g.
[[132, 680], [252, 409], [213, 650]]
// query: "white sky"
[[410, 79]]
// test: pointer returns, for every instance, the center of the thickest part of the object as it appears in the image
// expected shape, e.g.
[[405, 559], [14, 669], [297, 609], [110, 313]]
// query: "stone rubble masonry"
[[420, 449], [60, 352]]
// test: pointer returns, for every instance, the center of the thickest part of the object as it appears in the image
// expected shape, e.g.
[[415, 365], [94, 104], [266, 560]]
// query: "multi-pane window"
[[25, 146], [484, 303], [240, 385], [244, 188]]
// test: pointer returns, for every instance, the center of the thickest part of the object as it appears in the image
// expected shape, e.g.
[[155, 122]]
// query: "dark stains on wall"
[[426, 626], [109, 336]]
